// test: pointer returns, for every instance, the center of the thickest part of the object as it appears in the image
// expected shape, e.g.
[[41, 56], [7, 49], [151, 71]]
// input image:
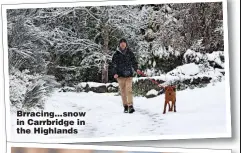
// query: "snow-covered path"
[[199, 112]]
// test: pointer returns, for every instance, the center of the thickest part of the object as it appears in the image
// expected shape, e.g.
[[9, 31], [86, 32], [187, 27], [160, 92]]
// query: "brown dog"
[[170, 96]]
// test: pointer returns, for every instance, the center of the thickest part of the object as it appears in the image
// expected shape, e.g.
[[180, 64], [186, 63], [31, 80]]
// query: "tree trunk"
[[105, 73], [105, 35]]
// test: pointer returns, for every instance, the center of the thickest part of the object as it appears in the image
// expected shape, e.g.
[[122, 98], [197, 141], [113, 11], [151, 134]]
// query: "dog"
[[170, 96]]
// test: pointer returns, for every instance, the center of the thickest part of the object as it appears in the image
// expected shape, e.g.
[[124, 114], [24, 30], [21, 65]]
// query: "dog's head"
[[170, 89]]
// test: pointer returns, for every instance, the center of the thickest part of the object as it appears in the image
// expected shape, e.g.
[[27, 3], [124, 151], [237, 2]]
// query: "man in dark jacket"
[[124, 62]]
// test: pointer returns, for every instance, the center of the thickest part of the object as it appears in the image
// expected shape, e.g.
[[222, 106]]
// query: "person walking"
[[124, 62]]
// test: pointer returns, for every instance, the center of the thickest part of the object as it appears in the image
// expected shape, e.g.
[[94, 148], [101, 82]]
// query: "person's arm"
[[114, 64]]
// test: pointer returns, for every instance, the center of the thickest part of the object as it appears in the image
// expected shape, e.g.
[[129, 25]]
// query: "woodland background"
[[61, 47]]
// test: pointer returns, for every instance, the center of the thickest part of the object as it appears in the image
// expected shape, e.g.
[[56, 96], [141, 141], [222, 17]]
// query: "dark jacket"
[[124, 63]]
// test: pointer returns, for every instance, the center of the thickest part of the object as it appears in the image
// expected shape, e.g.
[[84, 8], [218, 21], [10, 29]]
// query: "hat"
[[122, 40]]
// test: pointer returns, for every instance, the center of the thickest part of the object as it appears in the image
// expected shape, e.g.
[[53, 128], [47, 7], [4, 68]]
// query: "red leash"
[[152, 80]]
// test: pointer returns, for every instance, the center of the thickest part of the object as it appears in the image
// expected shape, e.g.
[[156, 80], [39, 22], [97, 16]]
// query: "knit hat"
[[122, 40]]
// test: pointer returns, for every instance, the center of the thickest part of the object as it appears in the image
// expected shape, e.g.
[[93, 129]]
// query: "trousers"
[[125, 86]]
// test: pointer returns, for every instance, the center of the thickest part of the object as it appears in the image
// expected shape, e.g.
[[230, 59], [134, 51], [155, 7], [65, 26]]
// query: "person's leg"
[[129, 95], [129, 91], [122, 87]]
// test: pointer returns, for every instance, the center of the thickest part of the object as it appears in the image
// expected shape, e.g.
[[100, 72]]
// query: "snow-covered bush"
[[216, 59], [141, 86], [18, 83], [153, 56], [209, 64], [198, 46], [192, 70], [186, 70], [152, 72], [28, 91], [34, 96], [91, 87], [152, 93], [69, 89], [190, 56]]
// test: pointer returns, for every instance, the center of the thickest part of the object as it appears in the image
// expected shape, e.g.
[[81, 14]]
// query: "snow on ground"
[[200, 111]]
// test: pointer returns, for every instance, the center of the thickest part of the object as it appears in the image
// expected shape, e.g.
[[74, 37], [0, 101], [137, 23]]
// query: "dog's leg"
[[175, 106], [170, 107], [165, 105]]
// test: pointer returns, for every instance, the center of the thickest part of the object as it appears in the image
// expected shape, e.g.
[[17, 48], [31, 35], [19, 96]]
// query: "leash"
[[152, 80]]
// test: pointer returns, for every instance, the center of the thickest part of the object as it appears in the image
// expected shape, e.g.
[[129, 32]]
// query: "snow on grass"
[[199, 111]]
